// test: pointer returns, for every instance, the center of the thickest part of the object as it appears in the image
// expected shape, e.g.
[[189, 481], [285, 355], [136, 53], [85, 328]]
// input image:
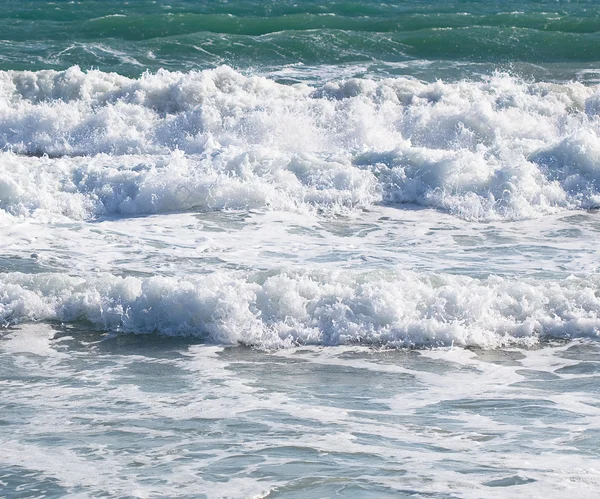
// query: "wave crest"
[[279, 309], [496, 149]]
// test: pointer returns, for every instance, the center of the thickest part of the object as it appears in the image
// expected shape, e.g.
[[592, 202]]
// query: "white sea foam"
[[496, 149], [83, 187], [279, 309]]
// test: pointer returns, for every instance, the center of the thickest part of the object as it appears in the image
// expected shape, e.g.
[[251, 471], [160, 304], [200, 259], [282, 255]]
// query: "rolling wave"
[[282, 309], [87, 144]]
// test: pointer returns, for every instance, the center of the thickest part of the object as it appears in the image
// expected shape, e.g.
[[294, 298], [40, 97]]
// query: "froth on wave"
[[82, 144], [281, 309]]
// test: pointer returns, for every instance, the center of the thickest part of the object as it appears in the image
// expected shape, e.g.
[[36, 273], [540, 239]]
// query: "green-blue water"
[[536, 38]]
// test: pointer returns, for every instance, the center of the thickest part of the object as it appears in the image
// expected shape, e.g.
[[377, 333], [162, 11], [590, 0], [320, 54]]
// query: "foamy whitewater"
[[100, 144], [81, 147], [311, 250]]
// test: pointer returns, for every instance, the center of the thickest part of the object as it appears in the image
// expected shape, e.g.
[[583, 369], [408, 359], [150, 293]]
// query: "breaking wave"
[[280, 309], [83, 144]]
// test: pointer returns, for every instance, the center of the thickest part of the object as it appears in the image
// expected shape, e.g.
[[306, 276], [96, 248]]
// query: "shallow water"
[[146, 416]]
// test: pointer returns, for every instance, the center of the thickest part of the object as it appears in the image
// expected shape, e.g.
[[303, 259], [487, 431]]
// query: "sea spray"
[[86, 144], [274, 310]]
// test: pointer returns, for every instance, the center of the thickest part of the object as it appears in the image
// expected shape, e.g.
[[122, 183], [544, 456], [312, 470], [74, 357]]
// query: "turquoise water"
[[537, 38], [299, 249]]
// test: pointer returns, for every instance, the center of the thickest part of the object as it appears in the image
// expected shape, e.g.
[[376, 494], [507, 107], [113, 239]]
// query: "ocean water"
[[299, 249]]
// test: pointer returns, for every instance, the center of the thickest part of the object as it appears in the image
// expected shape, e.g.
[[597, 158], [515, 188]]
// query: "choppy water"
[[144, 416], [299, 249]]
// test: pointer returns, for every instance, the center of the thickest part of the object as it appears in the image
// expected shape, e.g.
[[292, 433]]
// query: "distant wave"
[[87, 144], [140, 27]]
